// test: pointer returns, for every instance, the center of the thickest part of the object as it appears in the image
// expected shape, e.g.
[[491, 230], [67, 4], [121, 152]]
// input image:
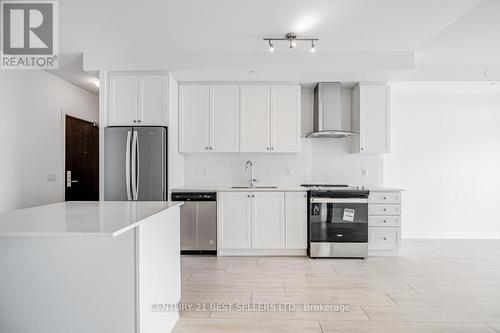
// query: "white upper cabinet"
[[370, 106], [153, 100], [135, 100], [296, 220], [208, 118], [285, 118], [225, 118], [255, 125], [123, 99], [268, 221], [194, 118], [252, 118]]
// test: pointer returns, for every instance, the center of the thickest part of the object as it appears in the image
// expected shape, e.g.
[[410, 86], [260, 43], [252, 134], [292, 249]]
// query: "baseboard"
[[450, 235], [262, 252]]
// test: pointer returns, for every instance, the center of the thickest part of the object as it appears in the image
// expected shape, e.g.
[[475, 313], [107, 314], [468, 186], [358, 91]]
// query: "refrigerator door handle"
[[127, 165], [138, 166], [134, 166]]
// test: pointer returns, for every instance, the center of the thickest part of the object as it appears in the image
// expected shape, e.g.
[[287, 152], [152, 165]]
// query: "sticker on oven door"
[[348, 215]]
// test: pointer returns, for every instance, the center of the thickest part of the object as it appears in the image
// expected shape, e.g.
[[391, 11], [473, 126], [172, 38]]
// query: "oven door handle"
[[339, 200]]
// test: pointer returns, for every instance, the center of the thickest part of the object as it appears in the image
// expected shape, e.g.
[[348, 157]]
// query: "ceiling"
[[222, 39]]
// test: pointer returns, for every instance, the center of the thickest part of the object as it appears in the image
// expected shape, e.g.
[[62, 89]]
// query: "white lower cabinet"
[[384, 223], [262, 223], [268, 220], [234, 214], [296, 220]]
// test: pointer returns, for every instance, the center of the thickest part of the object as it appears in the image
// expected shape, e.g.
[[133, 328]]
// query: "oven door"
[[338, 220]]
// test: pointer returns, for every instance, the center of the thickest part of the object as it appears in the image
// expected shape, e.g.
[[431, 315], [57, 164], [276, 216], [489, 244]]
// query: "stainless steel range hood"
[[331, 120]]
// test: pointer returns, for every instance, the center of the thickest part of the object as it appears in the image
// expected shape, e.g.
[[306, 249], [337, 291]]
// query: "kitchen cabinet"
[[270, 118], [268, 221], [208, 118], [225, 118], [255, 125], [194, 118], [370, 117], [285, 118], [296, 220], [262, 223], [234, 214], [384, 223], [134, 100]]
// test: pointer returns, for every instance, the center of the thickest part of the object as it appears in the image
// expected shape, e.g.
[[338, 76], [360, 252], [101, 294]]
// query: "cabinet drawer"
[[385, 197], [384, 221], [383, 237], [384, 209]]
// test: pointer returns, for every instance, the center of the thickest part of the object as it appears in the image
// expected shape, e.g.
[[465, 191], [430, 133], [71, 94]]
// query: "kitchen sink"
[[257, 187]]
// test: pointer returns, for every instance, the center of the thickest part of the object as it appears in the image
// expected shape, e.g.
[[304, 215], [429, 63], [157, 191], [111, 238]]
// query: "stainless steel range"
[[337, 221]]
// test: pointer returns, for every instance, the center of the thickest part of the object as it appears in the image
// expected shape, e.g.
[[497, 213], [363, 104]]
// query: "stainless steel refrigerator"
[[135, 163]]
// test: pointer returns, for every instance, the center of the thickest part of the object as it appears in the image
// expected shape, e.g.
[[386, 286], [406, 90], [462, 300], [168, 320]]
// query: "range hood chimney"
[[330, 119]]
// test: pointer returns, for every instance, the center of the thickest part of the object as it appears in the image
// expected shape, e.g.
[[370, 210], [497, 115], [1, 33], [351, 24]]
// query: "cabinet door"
[[225, 119], [194, 118], [123, 100], [234, 220], [255, 118], [296, 220], [153, 100], [374, 117], [268, 222], [285, 118]]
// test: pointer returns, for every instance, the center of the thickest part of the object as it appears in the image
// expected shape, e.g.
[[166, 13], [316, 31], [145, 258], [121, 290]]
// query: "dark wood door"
[[82, 160]]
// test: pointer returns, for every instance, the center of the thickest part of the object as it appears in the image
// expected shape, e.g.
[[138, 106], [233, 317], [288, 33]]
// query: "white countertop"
[[383, 189], [81, 218], [228, 188]]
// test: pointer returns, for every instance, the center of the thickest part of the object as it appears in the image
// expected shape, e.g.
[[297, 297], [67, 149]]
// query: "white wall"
[[31, 103], [321, 161], [445, 152]]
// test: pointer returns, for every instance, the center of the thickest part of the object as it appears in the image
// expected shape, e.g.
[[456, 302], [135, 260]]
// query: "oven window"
[[339, 222]]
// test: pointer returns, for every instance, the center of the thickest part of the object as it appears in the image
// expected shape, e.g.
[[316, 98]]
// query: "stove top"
[[333, 187], [336, 190]]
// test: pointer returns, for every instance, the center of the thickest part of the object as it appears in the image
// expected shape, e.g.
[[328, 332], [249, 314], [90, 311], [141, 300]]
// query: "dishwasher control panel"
[[194, 196]]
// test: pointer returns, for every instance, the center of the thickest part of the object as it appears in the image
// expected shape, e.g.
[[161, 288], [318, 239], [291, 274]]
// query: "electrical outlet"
[[51, 178], [364, 172]]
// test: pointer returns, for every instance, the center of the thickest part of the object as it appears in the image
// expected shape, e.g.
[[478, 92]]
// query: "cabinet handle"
[[362, 148], [135, 121], [211, 148], [385, 221], [253, 196], [272, 148], [139, 121], [267, 148], [206, 148], [248, 195], [385, 238], [385, 209]]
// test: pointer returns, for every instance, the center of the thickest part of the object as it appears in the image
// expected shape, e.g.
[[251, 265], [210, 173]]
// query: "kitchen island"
[[90, 267]]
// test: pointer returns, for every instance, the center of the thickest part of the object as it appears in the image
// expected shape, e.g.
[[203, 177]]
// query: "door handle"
[[135, 165], [127, 165], [69, 180]]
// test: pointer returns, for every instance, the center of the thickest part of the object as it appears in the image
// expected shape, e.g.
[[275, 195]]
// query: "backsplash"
[[321, 161]]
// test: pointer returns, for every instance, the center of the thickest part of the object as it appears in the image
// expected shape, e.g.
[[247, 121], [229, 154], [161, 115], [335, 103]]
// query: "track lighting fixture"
[[292, 39]]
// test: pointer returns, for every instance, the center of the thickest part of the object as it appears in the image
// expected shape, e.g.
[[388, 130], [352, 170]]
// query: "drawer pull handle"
[[385, 198], [385, 221], [385, 209]]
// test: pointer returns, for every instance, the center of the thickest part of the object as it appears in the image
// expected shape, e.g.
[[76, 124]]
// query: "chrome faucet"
[[251, 180]]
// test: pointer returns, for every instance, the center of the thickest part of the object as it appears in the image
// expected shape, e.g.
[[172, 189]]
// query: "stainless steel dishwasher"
[[198, 222]]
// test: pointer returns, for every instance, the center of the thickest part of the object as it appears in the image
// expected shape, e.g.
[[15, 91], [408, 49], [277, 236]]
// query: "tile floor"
[[434, 286]]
